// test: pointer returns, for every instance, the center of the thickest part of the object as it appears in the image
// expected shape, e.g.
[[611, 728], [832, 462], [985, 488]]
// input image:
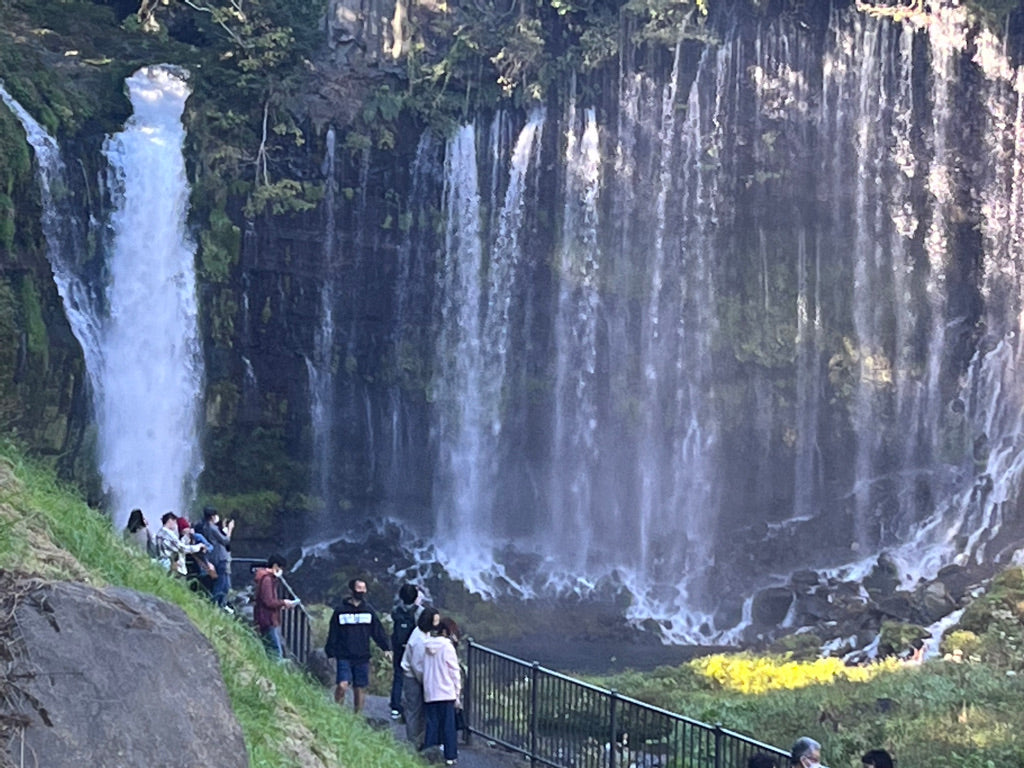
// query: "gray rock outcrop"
[[110, 677]]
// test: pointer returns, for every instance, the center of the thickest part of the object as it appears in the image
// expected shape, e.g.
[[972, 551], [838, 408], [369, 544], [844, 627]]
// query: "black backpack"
[[404, 623]]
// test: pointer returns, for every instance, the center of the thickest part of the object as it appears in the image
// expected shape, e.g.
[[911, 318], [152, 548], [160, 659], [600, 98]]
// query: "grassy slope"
[[286, 718]]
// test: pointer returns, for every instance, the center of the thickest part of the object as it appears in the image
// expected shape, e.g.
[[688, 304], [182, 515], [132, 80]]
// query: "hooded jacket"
[[352, 628], [442, 677], [266, 611], [412, 657]]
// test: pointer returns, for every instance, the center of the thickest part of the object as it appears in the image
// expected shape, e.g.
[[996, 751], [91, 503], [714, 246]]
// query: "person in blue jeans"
[[220, 555], [267, 608], [442, 689]]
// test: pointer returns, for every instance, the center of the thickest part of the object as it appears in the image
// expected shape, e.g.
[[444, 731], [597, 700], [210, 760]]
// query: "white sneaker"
[[395, 714]]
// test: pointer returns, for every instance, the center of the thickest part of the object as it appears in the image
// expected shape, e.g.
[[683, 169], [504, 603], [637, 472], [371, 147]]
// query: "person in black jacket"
[[353, 625], [403, 622]]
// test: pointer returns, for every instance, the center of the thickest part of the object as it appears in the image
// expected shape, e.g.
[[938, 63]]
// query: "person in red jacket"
[[267, 609]]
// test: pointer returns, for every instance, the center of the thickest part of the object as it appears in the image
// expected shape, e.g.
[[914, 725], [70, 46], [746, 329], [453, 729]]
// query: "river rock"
[[805, 579], [933, 601], [883, 579], [771, 606], [110, 677], [956, 580]]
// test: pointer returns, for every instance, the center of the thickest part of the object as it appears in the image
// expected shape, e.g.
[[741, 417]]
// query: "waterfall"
[[575, 431], [477, 294], [411, 316], [148, 404], [139, 336], [320, 369], [65, 243], [464, 444]]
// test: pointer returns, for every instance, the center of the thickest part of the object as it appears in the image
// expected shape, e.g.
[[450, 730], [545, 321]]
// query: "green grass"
[[940, 714], [286, 717]]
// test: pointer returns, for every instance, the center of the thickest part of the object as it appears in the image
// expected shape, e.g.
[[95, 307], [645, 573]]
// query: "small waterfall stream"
[[320, 369]]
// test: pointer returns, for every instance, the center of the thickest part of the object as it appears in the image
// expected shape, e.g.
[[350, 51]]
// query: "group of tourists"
[[201, 552], [806, 753], [426, 686]]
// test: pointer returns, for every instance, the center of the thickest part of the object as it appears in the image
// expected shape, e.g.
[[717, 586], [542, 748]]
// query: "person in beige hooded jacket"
[[442, 689]]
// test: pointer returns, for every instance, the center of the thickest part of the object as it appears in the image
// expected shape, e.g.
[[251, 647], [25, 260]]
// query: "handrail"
[[295, 624], [555, 720]]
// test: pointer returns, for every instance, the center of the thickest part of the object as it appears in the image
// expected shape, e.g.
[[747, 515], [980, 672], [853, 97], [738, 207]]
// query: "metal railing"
[[295, 622], [558, 721]]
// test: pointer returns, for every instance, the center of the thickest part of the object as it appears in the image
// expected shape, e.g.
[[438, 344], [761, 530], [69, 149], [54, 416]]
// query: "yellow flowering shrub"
[[745, 673]]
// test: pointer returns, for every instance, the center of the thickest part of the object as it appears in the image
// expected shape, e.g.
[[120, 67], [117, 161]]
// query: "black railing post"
[[534, 697], [467, 700], [613, 726], [718, 745]]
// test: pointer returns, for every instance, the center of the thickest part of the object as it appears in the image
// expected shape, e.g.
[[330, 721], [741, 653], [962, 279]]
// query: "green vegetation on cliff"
[[287, 719]]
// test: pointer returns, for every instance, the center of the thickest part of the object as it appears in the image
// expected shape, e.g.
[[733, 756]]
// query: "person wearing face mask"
[[806, 753], [353, 624]]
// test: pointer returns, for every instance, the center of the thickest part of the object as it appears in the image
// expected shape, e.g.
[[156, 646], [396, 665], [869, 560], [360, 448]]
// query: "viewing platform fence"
[[555, 720]]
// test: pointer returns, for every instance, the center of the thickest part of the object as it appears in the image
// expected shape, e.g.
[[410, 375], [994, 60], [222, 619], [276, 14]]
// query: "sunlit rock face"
[[752, 310]]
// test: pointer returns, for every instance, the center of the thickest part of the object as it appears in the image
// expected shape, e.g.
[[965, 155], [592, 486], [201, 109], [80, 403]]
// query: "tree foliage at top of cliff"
[[524, 48], [252, 55]]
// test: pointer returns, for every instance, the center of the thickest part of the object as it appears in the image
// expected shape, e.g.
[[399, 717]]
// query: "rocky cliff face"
[[109, 677], [43, 399]]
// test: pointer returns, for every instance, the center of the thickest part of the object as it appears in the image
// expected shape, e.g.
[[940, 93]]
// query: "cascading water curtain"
[[149, 406]]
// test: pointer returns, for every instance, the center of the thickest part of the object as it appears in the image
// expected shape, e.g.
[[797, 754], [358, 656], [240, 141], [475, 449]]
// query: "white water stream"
[[141, 341]]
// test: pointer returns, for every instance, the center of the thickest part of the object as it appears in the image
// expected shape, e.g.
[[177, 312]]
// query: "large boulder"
[[110, 677]]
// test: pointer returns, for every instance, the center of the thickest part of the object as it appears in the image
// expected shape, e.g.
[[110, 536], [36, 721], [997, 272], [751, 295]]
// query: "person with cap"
[[197, 565], [806, 753], [353, 624], [220, 554]]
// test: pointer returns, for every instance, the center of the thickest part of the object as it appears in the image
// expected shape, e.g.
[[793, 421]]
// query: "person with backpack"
[[403, 621]]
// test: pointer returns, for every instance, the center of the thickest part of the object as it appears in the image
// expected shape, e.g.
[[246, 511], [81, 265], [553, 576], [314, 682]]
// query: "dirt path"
[[476, 755]]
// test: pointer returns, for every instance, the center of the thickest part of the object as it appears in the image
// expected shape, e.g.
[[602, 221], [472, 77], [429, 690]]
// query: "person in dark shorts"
[[353, 624]]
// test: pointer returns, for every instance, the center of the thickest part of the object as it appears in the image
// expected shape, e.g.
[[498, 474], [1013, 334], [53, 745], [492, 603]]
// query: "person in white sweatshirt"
[[442, 688], [412, 668]]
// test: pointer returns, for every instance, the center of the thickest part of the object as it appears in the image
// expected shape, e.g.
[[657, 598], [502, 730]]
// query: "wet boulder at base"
[[110, 677]]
